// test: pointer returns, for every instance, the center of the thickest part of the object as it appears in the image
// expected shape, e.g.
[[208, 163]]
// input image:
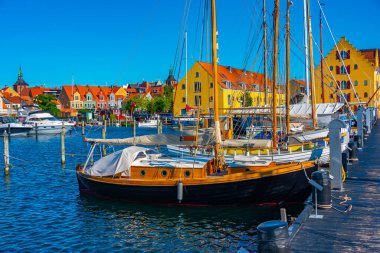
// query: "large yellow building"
[[233, 84], [361, 75]]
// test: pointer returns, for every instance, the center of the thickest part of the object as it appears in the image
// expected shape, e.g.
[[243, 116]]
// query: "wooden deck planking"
[[358, 230]]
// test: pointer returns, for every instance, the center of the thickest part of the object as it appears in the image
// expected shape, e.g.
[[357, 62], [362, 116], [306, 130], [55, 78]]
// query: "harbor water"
[[42, 209]]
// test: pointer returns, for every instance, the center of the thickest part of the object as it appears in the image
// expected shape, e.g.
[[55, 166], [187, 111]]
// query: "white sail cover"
[[117, 162]]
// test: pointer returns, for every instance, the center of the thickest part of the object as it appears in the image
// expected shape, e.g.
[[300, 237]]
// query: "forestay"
[[117, 162]]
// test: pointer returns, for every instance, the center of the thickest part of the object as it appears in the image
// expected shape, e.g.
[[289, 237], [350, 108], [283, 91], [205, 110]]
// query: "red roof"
[[237, 77], [371, 55]]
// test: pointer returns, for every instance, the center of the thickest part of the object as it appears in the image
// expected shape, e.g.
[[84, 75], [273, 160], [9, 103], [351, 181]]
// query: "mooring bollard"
[[322, 178], [104, 133], [6, 153], [63, 157], [82, 127], [273, 236], [353, 150], [335, 127]]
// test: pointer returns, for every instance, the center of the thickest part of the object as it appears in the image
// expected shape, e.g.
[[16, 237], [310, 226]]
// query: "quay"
[[357, 230]]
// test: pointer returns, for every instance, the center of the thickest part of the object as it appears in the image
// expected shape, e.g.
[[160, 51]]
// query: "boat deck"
[[354, 231]]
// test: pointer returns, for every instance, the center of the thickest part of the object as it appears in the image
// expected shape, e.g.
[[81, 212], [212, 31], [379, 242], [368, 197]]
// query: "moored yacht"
[[13, 128], [45, 123]]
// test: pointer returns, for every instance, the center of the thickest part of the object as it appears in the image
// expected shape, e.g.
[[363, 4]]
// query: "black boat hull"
[[291, 186]]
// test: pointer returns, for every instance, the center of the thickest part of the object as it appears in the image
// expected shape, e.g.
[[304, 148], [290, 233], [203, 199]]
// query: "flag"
[[189, 108]]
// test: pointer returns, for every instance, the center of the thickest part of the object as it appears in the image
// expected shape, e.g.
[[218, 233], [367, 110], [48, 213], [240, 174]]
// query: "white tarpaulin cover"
[[117, 162]]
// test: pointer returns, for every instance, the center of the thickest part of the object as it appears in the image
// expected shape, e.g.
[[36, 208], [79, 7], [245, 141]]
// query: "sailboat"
[[139, 174]]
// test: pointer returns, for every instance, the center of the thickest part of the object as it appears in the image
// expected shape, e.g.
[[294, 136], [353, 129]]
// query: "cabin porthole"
[[164, 173], [142, 173], [247, 169], [187, 173]]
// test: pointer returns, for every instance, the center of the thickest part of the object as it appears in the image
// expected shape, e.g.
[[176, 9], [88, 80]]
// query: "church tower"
[[20, 85]]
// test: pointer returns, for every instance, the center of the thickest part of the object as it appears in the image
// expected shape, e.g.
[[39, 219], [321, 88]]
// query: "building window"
[[198, 100], [196, 74], [211, 99], [183, 100], [211, 85], [356, 66], [365, 83], [229, 99], [365, 94], [343, 85], [343, 70], [242, 85], [331, 68], [223, 76], [345, 54], [331, 84], [356, 83], [101, 98], [183, 86], [76, 98], [228, 84], [197, 86]]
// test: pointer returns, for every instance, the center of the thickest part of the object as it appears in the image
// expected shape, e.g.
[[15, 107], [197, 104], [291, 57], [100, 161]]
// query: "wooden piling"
[[104, 133], [134, 128], [6, 153], [82, 127], [63, 157], [36, 128], [283, 214], [180, 126]]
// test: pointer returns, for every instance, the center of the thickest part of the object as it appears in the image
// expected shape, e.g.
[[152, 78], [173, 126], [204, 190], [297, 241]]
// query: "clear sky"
[[103, 42]]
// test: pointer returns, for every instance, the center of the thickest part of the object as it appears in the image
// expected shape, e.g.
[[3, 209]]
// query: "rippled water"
[[42, 209]]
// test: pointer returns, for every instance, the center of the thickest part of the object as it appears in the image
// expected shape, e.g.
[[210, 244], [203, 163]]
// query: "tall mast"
[[321, 48], [187, 102], [215, 79], [288, 67], [306, 51], [311, 61], [265, 53], [274, 86]]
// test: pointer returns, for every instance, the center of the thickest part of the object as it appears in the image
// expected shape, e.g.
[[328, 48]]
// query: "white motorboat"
[[148, 123], [11, 127], [45, 123]]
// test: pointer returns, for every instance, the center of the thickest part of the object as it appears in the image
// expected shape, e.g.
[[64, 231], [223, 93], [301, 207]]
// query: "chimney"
[[229, 69]]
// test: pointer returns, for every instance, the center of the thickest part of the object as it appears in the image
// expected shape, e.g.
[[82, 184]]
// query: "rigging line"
[[197, 26], [204, 27], [326, 75], [336, 46], [181, 33]]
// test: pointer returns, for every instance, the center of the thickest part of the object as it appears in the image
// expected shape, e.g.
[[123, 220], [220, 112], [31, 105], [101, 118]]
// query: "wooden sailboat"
[[138, 174]]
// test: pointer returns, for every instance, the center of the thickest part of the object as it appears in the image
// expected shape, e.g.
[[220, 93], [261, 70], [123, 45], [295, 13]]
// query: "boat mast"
[[265, 53], [288, 67], [218, 137], [186, 67], [306, 51], [321, 48], [311, 61], [274, 86]]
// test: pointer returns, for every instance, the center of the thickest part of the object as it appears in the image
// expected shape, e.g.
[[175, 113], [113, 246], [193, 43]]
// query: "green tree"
[[158, 104], [247, 99], [45, 102]]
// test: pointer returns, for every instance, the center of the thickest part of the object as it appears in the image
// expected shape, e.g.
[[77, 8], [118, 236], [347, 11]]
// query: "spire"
[[19, 73]]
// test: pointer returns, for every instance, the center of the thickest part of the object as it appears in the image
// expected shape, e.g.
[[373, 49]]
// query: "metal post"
[[283, 214], [63, 158], [360, 126], [104, 132], [36, 128], [368, 119], [6, 153], [335, 127]]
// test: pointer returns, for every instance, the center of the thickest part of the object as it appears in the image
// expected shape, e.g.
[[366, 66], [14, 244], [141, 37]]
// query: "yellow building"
[[361, 75], [233, 84]]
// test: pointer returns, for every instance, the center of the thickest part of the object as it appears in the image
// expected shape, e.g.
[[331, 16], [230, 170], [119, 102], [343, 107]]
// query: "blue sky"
[[103, 42]]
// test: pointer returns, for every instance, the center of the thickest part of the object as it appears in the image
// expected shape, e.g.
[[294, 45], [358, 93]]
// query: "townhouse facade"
[[350, 75], [233, 83]]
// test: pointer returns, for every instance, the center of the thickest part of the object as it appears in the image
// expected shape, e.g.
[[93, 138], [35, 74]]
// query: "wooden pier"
[[357, 230]]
